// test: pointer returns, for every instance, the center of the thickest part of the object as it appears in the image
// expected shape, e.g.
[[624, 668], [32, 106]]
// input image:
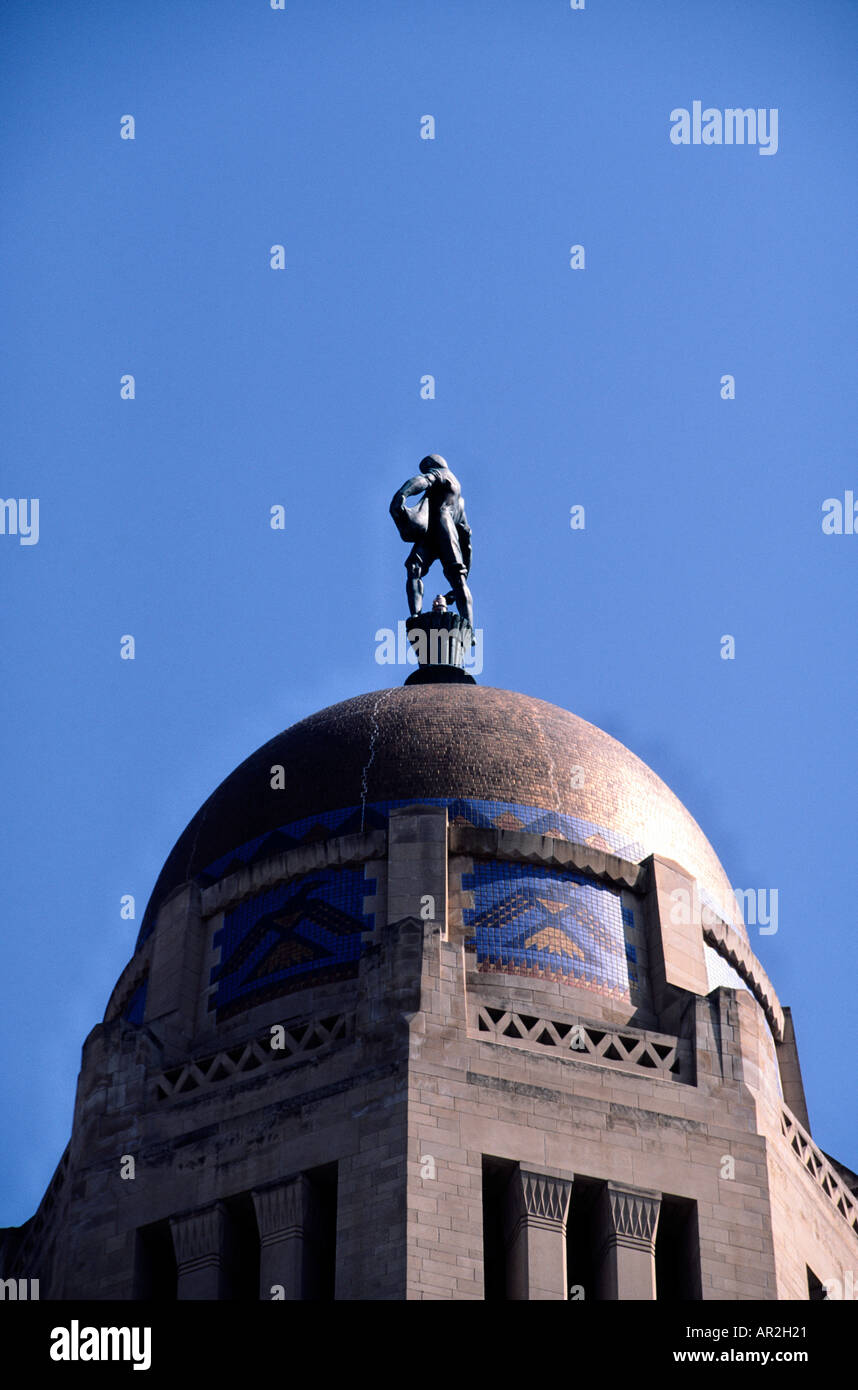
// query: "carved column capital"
[[536, 1200], [198, 1237], [632, 1216], [285, 1210]]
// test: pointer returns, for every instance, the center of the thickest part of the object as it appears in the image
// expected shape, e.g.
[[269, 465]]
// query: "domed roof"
[[449, 742]]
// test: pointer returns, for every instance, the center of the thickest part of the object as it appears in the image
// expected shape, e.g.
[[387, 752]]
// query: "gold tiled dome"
[[449, 742]]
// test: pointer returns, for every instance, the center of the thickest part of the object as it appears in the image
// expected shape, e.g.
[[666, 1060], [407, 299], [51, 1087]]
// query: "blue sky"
[[301, 387]]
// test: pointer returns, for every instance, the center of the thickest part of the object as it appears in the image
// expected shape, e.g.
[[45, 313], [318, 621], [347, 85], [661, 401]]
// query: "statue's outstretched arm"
[[419, 483], [409, 489], [411, 522]]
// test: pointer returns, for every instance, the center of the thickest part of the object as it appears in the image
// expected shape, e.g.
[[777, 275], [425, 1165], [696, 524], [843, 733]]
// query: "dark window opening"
[[320, 1254], [816, 1290], [241, 1256], [496, 1176], [155, 1264], [581, 1241], [677, 1252]]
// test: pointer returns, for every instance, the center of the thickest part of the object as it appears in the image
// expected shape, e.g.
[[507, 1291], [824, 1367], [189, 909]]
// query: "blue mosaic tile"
[[720, 972], [561, 926], [301, 832], [504, 815], [298, 934]]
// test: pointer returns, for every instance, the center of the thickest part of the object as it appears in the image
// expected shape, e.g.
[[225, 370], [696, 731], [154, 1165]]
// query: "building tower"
[[442, 994]]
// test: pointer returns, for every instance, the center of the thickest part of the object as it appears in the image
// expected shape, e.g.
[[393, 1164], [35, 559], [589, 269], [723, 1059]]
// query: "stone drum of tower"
[[442, 994]]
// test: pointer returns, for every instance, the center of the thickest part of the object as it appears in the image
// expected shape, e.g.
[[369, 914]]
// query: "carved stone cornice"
[[521, 847], [736, 951], [337, 852]]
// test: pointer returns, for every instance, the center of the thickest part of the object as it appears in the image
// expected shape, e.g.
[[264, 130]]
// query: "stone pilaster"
[[535, 1235], [626, 1263], [417, 865], [790, 1070], [175, 977], [199, 1240], [286, 1214], [673, 914]]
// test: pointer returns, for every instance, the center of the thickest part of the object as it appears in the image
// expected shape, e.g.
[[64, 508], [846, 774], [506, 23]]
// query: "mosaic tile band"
[[299, 934], [526, 919], [503, 815], [530, 920]]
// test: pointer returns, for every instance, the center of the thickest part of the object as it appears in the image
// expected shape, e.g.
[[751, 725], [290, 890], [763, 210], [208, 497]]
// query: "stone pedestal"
[[628, 1218], [440, 642], [535, 1236]]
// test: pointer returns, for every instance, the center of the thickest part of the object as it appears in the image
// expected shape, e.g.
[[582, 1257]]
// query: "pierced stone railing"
[[629, 1049], [299, 1040], [819, 1168]]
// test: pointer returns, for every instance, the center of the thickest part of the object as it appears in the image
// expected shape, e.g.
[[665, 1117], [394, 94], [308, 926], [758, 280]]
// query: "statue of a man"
[[439, 530]]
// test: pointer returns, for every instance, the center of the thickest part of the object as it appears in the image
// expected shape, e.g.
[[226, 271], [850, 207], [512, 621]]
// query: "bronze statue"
[[439, 530]]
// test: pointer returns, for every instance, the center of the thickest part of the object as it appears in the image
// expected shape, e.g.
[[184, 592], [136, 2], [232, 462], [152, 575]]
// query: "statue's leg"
[[458, 582], [455, 569]]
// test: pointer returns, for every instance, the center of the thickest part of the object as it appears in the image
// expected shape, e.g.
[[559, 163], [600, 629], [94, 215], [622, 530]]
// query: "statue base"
[[439, 641]]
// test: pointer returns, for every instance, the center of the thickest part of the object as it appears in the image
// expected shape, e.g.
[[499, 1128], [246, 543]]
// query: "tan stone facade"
[[428, 1129]]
